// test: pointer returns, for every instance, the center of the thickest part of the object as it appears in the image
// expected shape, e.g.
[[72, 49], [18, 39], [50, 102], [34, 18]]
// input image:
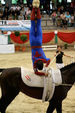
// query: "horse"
[[11, 84]]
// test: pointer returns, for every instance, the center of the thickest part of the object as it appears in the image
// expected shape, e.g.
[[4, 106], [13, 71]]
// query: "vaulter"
[[38, 56]]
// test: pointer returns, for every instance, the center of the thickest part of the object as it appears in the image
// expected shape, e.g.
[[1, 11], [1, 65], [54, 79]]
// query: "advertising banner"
[[15, 25]]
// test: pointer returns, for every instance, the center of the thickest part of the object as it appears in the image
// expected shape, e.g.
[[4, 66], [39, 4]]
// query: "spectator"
[[6, 13], [17, 10], [27, 16], [68, 16], [7, 6], [61, 10], [18, 7], [12, 9], [54, 15], [15, 17], [0, 7], [10, 17], [58, 19], [72, 19], [23, 12], [48, 10], [21, 17], [25, 8], [54, 8], [58, 13], [64, 23], [1, 14], [62, 16]]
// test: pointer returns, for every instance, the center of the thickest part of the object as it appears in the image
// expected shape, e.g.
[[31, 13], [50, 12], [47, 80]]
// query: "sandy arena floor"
[[25, 104]]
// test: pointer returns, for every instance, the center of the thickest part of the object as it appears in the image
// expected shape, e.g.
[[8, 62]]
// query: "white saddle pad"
[[33, 80]]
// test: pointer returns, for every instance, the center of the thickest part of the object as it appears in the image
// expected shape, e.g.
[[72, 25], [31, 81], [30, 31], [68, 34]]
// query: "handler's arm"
[[68, 56]]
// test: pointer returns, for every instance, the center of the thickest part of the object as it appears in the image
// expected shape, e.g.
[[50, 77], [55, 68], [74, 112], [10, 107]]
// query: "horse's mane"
[[68, 66]]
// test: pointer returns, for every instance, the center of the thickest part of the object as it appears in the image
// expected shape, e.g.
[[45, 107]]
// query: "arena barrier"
[[49, 47]]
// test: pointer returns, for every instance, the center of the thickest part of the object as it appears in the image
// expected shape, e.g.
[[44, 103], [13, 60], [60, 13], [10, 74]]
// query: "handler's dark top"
[[59, 57]]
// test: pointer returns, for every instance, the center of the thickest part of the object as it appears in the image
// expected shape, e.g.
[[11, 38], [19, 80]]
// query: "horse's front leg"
[[59, 107], [51, 107], [8, 95], [2, 105]]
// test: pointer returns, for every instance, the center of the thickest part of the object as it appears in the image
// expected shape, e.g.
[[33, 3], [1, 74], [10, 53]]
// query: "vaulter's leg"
[[32, 29], [35, 24], [39, 28], [37, 14]]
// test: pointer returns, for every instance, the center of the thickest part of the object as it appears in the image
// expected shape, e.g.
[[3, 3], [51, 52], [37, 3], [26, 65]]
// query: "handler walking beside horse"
[[59, 57]]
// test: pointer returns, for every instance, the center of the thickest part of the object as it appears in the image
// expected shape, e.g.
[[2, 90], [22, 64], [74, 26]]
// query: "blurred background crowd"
[[61, 14]]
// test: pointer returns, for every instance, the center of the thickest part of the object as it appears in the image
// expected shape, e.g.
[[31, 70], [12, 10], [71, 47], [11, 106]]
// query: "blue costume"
[[36, 42]]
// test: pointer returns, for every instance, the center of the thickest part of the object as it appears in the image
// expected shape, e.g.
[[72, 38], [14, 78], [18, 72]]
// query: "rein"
[[67, 85]]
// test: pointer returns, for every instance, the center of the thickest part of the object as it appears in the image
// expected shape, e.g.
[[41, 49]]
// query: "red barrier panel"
[[47, 37], [17, 39], [67, 37]]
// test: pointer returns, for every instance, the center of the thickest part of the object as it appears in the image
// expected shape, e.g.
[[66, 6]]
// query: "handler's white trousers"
[[59, 65]]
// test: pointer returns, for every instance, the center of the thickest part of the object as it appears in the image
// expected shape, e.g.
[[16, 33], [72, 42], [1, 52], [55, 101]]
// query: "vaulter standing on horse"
[[38, 56]]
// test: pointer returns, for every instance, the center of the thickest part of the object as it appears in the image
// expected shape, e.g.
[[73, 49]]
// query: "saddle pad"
[[56, 74], [31, 79]]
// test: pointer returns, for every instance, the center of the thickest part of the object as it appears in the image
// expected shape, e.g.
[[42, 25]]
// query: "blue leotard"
[[36, 42]]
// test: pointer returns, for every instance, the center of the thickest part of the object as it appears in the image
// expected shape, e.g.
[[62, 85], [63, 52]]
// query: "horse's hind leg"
[[59, 107], [7, 97], [51, 107], [2, 105]]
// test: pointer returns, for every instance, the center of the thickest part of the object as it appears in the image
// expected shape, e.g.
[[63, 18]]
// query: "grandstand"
[[21, 10]]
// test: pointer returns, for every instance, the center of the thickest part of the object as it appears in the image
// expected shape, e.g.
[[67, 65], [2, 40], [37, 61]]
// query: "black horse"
[[11, 84]]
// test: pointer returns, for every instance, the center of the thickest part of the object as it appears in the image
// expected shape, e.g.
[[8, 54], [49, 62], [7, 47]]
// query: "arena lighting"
[[56, 32], [69, 0], [16, 1], [2, 1], [60, 1]]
